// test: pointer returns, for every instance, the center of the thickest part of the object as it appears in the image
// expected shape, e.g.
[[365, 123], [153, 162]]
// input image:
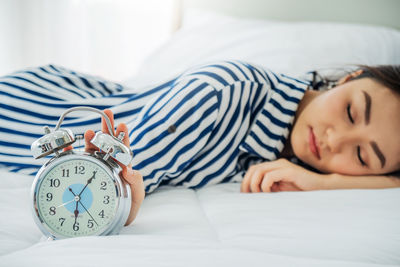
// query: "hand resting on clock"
[[128, 175]]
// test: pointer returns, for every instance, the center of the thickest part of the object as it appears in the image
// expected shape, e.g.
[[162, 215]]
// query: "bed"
[[217, 225]]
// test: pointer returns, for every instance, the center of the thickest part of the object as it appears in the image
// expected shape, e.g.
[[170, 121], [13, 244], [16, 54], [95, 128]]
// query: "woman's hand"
[[130, 176], [280, 175]]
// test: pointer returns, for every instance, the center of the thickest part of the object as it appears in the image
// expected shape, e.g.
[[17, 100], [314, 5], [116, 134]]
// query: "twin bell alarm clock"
[[78, 193]]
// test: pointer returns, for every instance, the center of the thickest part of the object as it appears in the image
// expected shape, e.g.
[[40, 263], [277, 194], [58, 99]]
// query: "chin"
[[306, 158], [299, 149], [317, 167]]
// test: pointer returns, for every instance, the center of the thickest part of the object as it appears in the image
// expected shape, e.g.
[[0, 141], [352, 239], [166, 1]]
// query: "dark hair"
[[387, 75]]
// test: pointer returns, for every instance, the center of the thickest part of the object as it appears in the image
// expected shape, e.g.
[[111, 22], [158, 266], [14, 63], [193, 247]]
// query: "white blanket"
[[218, 226]]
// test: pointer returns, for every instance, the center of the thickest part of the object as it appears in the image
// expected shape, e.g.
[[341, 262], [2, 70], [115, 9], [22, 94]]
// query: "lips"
[[313, 144]]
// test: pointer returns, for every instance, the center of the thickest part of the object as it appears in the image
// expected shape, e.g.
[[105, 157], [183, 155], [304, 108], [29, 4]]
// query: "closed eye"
[[349, 114], [358, 147], [359, 157]]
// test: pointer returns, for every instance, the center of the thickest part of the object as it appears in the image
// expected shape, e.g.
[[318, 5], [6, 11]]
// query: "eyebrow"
[[378, 153], [367, 107], [367, 117]]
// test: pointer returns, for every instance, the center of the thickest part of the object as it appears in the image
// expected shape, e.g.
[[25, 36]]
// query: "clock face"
[[77, 197]]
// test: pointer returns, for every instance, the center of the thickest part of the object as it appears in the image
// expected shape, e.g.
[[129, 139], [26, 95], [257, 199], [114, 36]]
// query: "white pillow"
[[288, 47]]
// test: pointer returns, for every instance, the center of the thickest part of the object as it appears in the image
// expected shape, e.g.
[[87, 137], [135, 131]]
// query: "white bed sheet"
[[218, 226]]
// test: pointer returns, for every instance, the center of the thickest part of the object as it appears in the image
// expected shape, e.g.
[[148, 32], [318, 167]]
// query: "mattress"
[[218, 225]]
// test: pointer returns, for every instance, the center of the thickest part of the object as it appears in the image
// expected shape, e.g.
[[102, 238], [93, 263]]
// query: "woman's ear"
[[349, 76]]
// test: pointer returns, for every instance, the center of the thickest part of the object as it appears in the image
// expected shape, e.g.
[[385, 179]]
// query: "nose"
[[336, 140]]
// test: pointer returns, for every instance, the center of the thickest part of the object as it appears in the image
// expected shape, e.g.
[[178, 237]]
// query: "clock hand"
[[88, 212], [76, 212], [69, 188], [66, 203], [82, 205], [88, 182], [76, 198]]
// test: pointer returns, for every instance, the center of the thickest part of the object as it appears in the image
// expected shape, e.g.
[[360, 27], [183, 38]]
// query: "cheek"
[[299, 137], [327, 110], [330, 105], [343, 165]]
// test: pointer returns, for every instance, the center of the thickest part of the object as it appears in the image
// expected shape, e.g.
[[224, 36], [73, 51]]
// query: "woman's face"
[[355, 127]]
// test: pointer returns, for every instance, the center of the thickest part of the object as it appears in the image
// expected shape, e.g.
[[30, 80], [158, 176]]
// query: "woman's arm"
[[283, 175], [339, 181]]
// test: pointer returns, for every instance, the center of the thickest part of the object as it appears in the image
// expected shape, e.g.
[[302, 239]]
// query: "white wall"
[[103, 37], [11, 36], [376, 12]]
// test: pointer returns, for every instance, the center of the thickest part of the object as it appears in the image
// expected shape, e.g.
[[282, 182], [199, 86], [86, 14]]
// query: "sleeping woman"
[[223, 122]]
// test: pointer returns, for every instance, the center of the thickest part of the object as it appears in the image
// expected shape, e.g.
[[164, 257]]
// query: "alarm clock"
[[77, 193]]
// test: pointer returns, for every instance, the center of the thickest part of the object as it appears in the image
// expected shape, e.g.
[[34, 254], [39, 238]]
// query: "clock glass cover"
[[76, 197]]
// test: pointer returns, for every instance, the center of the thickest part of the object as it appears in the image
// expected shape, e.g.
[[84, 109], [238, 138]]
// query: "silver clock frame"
[[113, 169]]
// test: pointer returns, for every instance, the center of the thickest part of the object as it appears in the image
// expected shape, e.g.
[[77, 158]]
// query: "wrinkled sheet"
[[218, 226]]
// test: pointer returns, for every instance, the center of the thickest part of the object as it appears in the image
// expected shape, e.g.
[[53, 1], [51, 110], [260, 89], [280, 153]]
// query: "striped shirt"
[[200, 128]]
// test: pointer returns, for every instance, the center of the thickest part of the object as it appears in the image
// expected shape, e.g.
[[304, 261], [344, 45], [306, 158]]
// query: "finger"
[[256, 180], [245, 186], [131, 176], [123, 128], [138, 194], [276, 187], [270, 178], [104, 127], [286, 186], [89, 147], [68, 148], [262, 167]]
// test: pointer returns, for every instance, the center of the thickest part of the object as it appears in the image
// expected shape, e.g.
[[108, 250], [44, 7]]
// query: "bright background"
[[109, 38], [112, 38]]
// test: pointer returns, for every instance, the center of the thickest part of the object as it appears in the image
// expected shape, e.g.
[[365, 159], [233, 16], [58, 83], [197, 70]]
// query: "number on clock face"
[[76, 198]]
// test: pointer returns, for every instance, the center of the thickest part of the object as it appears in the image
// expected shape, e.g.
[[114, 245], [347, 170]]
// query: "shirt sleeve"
[[172, 129], [37, 96], [51, 82]]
